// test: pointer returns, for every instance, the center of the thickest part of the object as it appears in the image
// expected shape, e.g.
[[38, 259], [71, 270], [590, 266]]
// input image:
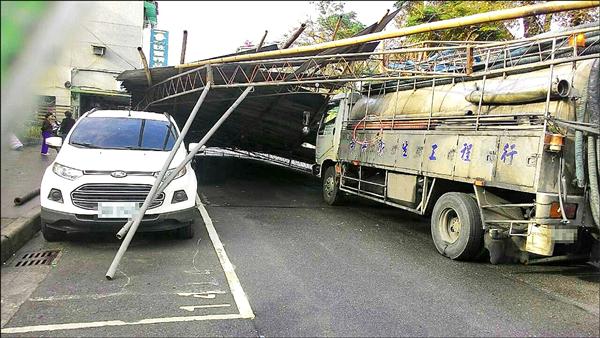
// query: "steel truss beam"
[[335, 71]]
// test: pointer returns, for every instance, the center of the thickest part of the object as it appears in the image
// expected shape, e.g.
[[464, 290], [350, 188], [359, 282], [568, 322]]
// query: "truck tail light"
[[554, 142], [570, 210], [577, 40]]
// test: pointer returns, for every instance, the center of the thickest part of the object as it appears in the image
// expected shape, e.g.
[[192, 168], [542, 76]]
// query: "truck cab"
[[330, 128]]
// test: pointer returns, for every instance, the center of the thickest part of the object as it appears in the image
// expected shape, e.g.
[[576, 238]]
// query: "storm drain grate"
[[38, 258]]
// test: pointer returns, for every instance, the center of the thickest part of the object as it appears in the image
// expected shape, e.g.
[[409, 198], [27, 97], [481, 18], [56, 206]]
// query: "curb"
[[17, 233]]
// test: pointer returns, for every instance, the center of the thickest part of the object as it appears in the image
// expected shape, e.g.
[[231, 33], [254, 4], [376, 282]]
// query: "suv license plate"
[[118, 209]]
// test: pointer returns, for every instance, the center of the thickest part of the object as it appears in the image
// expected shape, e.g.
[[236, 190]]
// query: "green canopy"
[[150, 13]]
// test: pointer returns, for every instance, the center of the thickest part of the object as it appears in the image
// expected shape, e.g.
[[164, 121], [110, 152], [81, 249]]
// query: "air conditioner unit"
[[99, 50]]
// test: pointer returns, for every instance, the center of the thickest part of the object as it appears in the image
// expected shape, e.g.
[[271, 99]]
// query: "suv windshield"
[[124, 133]]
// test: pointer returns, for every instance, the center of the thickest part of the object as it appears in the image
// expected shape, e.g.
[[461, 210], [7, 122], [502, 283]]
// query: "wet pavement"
[[22, 172]]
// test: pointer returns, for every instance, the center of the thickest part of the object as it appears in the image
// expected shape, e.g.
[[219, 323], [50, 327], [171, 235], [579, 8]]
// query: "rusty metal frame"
[[334, 71]]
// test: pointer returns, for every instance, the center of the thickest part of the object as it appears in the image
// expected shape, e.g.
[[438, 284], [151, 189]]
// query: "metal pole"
[[168, 161], [113, 267], [487, 62], [137, 219], [260, 44], [205, 139], [337, 27], [295, 36], [146, 69], [504, 14], [183, 47]]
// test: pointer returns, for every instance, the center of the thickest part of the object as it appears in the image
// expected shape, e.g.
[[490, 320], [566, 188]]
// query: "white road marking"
[[185, 294], [73, 326], [205, 294], [214, 283], [234, 285], [205, 272], [76, 297], [239, 296], [191, 308], [210, 296], [116, 294]]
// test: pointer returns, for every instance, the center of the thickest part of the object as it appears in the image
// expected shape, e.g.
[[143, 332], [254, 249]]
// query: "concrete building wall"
[[115, 25]]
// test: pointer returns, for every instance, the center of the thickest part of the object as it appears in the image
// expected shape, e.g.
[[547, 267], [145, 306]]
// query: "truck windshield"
[[124, 133], [329, 116]]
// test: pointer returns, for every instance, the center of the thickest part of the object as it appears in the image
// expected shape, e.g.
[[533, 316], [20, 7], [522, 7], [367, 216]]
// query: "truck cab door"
[[326, 134]]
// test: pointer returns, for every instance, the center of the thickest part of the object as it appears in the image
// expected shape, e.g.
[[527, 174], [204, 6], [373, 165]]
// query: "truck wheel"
[[331, 192], [186, 232], [51, 235], [456, 226]]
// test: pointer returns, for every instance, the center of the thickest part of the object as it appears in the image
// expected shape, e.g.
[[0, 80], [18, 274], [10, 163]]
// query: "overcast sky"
[[219, 27]]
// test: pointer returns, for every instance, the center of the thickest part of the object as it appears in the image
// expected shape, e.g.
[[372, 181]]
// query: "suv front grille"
[[88, 195]]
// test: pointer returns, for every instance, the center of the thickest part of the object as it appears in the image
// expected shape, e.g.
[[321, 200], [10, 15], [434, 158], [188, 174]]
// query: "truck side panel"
[[507, 161]]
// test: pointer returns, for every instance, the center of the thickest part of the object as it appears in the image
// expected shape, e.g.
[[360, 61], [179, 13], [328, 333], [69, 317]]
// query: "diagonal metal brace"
[[205, 139], [158, 189], [152, 194]]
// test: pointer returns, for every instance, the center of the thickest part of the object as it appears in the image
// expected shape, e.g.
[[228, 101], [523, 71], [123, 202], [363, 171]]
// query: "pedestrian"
[[66, 124], [47, 129]]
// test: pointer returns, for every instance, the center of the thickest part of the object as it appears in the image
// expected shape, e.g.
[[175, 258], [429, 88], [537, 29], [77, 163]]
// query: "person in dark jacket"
[[47, 128], [66, 124]]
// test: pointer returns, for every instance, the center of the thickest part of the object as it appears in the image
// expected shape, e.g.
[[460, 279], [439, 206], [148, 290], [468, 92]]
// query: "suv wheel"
[[51, 235], [187, 232]]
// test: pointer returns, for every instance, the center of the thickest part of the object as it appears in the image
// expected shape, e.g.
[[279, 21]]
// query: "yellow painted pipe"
[[505, 14]]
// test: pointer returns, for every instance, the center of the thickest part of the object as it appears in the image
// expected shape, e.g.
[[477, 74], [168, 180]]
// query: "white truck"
[[503, 159]]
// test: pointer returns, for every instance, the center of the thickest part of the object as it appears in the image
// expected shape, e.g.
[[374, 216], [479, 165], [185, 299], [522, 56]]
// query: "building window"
[[99, 50]]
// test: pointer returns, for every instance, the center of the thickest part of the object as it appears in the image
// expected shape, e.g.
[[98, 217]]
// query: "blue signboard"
[[159, 48]]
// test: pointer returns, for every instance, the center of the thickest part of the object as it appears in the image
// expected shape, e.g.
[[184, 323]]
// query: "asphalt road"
[[307, 269]]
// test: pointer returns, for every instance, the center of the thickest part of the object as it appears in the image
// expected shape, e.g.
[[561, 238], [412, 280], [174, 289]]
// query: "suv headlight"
[[66, 172], [169, 171]]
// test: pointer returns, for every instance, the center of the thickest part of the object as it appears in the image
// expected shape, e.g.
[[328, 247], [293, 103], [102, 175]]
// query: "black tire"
[[331, 192], [187, 232], [456, 226], [51, 235]]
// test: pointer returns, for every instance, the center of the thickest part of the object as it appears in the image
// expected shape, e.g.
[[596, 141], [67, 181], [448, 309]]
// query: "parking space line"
[[73, 326], [239, 296]]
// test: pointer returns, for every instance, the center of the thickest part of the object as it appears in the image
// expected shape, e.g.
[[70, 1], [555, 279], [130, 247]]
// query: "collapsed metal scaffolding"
[[429, 63]]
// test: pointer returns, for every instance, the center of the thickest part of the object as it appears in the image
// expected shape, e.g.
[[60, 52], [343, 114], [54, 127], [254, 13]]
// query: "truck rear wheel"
[[456, 226], [331, 191]]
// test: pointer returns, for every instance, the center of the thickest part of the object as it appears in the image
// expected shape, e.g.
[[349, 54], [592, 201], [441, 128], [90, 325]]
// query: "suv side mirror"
[[191, 146], [54, 142]]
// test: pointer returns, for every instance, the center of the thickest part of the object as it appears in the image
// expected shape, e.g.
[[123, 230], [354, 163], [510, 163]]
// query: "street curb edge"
[[16, 234]]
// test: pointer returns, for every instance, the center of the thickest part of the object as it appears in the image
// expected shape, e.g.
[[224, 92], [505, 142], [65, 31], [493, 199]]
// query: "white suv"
[[105, 169]]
